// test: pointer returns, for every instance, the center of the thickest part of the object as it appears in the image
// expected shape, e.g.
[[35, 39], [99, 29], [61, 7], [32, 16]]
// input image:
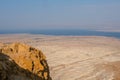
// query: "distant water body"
[[68, 33]]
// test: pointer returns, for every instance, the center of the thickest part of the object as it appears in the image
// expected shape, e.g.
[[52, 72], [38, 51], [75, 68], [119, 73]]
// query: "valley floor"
[[75, 57]]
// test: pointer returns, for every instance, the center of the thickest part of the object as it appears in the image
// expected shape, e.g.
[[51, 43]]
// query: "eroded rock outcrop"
[[30, 60]]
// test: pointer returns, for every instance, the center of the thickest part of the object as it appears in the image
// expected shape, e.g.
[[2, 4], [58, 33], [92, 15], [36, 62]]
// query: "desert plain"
[[75, 57]]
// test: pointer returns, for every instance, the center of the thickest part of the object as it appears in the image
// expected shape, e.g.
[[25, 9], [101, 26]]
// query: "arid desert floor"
[[75, 57]]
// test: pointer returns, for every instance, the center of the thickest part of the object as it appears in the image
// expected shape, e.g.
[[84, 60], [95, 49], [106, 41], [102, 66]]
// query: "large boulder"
[[27, 58]]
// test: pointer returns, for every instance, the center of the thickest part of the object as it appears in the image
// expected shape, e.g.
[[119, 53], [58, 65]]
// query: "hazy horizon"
[[97, 15]]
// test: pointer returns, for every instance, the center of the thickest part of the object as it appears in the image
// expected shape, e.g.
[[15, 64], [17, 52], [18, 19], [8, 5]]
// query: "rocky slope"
[[22, 62]]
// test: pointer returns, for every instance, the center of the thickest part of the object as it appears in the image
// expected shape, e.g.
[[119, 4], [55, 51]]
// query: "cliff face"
[[26, 60]]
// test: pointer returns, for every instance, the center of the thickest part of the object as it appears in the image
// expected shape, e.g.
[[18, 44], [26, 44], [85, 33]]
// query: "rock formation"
[[22, 62]]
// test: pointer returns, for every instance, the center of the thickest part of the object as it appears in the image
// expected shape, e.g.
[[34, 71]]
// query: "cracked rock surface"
[[22, 62]]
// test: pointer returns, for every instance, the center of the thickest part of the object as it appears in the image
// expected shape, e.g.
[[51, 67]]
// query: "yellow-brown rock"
[[28, 58]]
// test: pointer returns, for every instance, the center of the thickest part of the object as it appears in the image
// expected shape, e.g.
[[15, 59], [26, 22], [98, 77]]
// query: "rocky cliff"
[[22, 62]]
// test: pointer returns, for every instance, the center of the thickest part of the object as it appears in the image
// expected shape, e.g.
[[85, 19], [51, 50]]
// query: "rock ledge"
[[22, 62]]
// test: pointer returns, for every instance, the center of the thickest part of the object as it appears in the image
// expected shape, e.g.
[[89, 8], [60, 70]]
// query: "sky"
[[60, 14]]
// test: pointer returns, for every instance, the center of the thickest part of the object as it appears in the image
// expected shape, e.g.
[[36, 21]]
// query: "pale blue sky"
[[59, 14]]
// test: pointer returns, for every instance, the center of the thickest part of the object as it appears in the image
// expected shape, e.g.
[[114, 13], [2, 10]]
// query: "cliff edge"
[[22, 62]]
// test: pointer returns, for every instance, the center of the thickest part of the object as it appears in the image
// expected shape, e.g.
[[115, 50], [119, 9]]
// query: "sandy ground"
[[75, 57]]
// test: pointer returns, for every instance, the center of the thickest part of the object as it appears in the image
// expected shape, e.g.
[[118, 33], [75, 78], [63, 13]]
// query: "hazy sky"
[[59, 14]]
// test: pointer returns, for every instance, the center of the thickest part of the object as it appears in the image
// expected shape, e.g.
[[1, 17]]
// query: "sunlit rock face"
[[23, 63]]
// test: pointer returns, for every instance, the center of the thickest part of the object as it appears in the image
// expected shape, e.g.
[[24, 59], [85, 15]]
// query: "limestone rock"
[[9, 70], [27, 58]]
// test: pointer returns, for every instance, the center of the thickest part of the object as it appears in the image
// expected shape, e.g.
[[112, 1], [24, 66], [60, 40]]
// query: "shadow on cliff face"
[[23, 62], [9, 70]]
